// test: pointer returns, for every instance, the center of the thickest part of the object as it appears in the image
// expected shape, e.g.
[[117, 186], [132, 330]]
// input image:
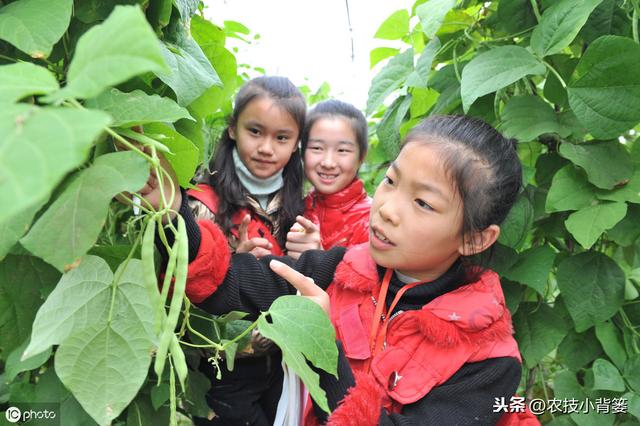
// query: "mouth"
[[260, 161], [379, 235], [328, 177]]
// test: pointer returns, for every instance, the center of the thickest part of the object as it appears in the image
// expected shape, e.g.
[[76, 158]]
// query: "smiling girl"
[[334, 145], [423, 330]]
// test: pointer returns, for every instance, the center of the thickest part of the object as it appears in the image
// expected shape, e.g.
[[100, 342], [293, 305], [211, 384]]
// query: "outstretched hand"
[[305, 285], [258, 247], [304, 235]]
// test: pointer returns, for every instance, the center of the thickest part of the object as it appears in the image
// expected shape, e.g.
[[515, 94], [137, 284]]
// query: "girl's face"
[[332, 157], [416, 215], [266, 135]]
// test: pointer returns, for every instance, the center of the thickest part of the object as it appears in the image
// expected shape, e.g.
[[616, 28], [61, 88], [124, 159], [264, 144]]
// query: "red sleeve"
[[362, 406], [210, 266]]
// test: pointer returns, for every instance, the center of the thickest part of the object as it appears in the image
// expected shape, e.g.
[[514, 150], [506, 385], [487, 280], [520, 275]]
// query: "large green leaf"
[[379, 53], [516, 15], [395, 26], [89, 11], [567, 388], [135, 108], [533, 267], [631, 372], [420, 77], [617, 169], [495, 69], [559, 25], [606, 376], [121, 47], [578, 349], [569, 191], [190, 72], [24, 78], [539, 330], [607, 18], [390, 77], [104, 361], [388, 130], [51, 390], [587, 224], [184, 156], [302, 330], [627, 231], [609, 70], [37, 148], [628, 191], [186, 7], [610, 338], [24, 282], [432, 14], [515, 227], [592, 287], [15, 227], [526, 117], [15, 365], [71, 225], [34, 26]]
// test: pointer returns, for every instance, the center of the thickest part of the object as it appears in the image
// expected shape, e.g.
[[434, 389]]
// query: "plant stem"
[[558, 76], [634, 22], [536, 11]]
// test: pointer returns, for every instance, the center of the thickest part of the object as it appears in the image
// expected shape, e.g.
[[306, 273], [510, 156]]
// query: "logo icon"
[[13, 414]]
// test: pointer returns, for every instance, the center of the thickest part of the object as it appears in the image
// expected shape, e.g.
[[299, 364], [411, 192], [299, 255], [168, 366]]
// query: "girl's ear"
[[479, 241], [232, 133]]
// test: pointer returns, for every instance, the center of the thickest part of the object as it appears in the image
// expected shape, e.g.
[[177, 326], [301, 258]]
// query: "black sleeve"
[[467, 398], [250, 285], [334, 388]]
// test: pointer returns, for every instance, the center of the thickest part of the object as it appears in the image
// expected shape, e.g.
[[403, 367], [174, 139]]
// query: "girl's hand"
[[304, 284], [256, 246], [304, 235]]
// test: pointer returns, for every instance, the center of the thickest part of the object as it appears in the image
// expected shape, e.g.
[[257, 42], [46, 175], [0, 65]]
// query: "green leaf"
[[91, 331], [161, 393], [569, 191], [34, 26], [421, 101], [533, 267], [559, 25], [15, 365], [135, 108], [190, 73], [395, 26], [15, 227], [38, 147], [609, 69], [184, 154], [186, 7], [628, 191], [420, 77], [631, 368], [526, 117], [627, 231], [607, 18], [24, 280], [389, 79], [388, 130], [197, 387], [379, 53], [539, 330], [587, 224], [432, 14], [606, 376], [634, 405], [71, 225], [515, 227], [121, 47], [617, 170], [516, 15], [50, 390], [567, 388], [301, 329], [592, 286], [160, 13], [23, 79], [90, 11], [578, 349], [141, 411], [611, 340], [495, 69]]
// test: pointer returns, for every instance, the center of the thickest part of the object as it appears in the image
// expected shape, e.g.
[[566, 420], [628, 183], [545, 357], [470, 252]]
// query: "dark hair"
[[224, 179], [483, 165], [337, 109]]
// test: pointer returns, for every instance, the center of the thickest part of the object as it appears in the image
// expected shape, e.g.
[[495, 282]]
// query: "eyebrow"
[[253, 123], [339, 142], [420, 185]]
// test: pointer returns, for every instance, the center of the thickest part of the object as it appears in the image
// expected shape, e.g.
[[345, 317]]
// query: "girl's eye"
[[344, 151], [388, 180], [254, 131], [283, 138], [423, 204], [315, 148]]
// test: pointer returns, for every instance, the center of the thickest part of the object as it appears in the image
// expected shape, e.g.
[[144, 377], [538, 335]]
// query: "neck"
[[259, 188]]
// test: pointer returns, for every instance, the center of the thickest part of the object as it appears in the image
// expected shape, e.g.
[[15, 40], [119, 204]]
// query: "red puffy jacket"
[[343, 217]]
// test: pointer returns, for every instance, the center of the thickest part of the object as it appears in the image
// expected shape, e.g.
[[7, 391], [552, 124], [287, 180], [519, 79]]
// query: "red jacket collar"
[[342, 200]]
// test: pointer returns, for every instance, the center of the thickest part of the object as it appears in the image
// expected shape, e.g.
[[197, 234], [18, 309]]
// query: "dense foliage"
[[81, 316], [563, 77]]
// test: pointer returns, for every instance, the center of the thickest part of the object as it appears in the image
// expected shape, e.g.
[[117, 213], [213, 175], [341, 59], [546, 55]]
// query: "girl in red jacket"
[[423, 330], [334, 145]]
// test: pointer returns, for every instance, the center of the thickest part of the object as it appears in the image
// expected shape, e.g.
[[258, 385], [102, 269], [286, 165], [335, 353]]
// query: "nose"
[[388, 211], [266, 147], [328, 161]]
